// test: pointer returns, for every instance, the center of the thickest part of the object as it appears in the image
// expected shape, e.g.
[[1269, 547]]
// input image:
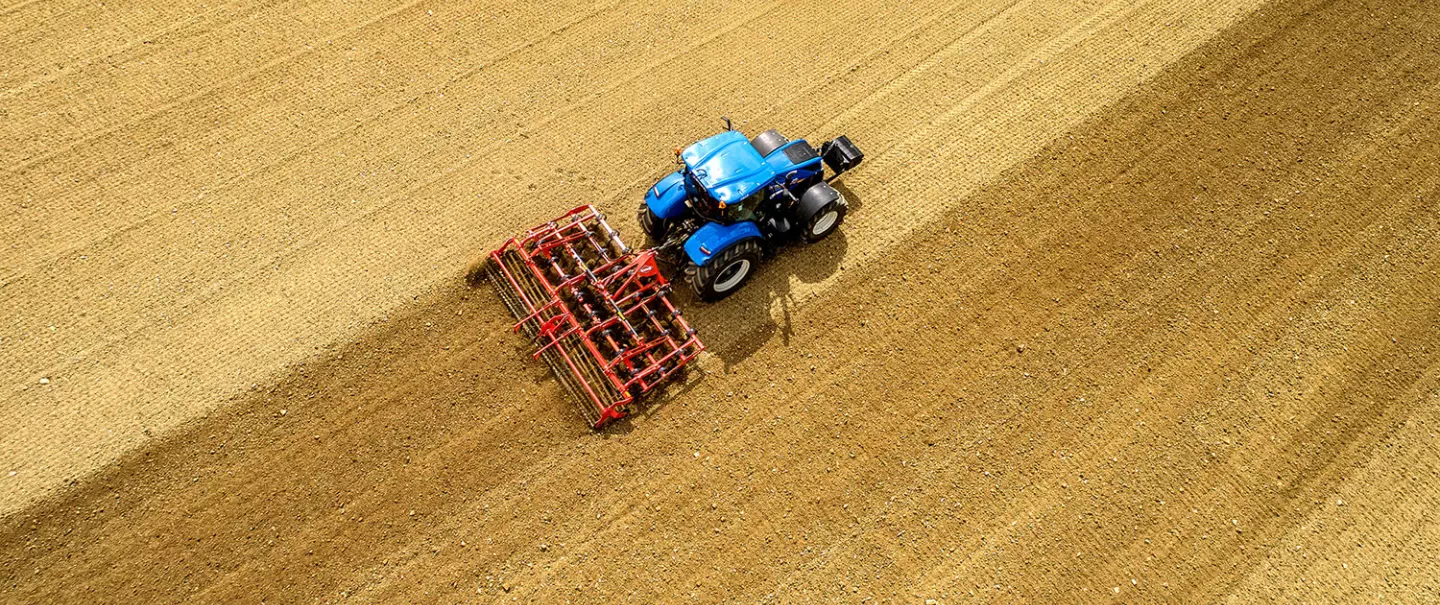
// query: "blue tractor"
[[736, 200]]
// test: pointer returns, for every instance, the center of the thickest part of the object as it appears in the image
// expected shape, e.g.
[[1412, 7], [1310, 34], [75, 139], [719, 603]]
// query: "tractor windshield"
[[698, 198]]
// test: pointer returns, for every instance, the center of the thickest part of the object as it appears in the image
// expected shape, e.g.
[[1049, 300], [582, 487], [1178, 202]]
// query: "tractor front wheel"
[[726, 271], [826, 220], [655, 227]]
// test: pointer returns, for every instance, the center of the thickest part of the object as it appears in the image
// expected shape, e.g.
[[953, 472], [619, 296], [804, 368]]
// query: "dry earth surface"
[[1136, 302]]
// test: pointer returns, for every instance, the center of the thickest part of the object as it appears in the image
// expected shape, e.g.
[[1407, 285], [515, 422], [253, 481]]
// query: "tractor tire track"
[[14, 83], [52, 150]]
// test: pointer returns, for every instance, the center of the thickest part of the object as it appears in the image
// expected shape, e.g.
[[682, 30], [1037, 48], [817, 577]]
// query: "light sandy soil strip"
[[182, 257], [169, 152]]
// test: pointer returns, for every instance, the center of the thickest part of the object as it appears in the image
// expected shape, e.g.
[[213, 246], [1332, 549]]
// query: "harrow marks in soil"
[[597, 311]]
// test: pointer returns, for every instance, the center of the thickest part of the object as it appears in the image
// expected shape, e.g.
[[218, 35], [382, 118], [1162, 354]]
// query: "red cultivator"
[[597, 310]]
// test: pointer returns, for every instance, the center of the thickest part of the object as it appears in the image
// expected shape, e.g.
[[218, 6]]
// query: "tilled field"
[[1136, 302]]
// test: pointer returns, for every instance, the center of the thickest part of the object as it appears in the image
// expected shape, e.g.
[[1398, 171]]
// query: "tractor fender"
[[667, 198], [712, 238], [814, 198]]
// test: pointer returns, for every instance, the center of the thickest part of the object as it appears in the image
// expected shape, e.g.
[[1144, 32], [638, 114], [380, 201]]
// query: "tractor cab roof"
[[727, 166]]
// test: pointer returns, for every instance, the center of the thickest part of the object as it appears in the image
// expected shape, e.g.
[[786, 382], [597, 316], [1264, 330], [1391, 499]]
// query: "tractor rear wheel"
[[768, 141], [726, 271], [655, 227], [826, 220]]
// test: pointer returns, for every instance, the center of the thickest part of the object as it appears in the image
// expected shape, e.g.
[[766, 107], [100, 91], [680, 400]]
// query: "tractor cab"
[[727, 167], [734, 198], [733, 169]]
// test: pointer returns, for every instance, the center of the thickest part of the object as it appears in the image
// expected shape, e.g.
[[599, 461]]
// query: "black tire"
[[655, 227], [768, 141], [826, 220], [718, 278]]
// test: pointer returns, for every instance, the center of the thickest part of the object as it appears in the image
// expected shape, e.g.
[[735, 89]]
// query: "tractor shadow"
[[735, 328]]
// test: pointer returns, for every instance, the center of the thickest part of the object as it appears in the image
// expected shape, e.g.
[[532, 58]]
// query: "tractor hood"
[[667, 198], [727, 166]]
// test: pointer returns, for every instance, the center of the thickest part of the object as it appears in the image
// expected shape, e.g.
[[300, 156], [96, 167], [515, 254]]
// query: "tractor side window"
[[744, 210]]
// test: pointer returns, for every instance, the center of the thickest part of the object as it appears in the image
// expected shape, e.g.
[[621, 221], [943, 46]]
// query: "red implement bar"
[[597, 310]]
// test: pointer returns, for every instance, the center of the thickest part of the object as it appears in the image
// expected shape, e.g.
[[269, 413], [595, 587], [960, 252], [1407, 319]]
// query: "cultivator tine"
[[597, 311]]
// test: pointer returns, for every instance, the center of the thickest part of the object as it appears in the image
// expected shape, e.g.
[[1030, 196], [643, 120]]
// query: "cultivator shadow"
[[597, 311]]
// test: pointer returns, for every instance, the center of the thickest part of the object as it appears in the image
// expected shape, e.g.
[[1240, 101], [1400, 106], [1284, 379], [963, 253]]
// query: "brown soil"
[[1189, 351]]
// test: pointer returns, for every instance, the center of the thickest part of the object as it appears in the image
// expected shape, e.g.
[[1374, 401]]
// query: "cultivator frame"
[[598, 311]]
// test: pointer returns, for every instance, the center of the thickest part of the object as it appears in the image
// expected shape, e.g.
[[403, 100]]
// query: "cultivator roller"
[[597, 311]]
